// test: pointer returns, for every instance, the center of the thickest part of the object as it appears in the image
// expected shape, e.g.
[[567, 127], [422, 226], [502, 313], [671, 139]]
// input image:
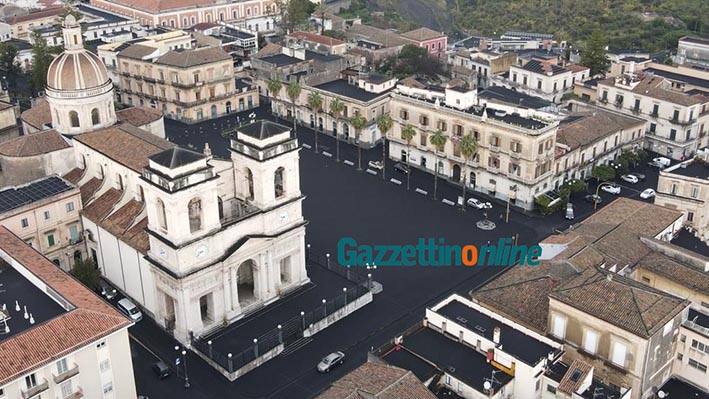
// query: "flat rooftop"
[[696, 169], [342, 88], [678, 388], [508, 96], [679, 77], [602, 391], [456, 359], [402, 357], [698, 317], [16, 289], [106, 16], [16, 197], [518, 344], [281, 60]]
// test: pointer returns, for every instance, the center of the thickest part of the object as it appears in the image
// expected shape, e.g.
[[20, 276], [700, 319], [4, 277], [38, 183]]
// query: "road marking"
[[144, 347], [308, 146], [348, 163], [372, 172], [327, 154], [448, 202], [398, 182], [424, 192]]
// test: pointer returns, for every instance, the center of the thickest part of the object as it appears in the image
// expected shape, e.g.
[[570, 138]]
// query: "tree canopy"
[[42, 57], [412, 60], [594, 54]]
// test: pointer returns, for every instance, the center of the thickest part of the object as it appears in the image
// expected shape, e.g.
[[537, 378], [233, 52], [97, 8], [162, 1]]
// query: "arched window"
[[221, 16], [172, 23], [278, 184], [220, 206], [100, 172], [74, 118], [184, 22], [119, 181], [235, 14], [248, 11], [95, 118], [250, 183], [209, 17], [193, 20], [194, 209], [162, 217]]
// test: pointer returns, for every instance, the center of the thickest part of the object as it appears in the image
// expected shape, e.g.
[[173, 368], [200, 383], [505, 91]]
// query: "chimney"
[[496, 336]]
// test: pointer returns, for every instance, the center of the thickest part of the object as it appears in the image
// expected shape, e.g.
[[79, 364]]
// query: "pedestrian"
[[501, 217]]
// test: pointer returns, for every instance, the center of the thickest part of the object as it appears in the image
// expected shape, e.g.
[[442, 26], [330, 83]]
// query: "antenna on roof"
[[489, 383]]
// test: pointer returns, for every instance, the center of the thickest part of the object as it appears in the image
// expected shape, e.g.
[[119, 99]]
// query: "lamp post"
[[595, 197], [184, 363]]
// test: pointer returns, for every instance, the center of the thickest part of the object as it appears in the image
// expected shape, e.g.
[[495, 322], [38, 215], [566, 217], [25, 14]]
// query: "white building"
[[693, 51], [58, 339], [543, 78], [692, 358]]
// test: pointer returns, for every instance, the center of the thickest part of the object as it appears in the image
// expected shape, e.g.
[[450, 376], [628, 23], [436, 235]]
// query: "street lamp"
[[184, 363], [595, 197]]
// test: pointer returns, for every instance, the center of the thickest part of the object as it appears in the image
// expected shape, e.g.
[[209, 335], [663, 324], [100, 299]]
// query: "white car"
[[476, 203], [630, 178], [647, 193], [376, 165], [613, 189]]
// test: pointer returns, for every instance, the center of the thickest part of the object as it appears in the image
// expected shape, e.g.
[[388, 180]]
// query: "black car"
[[593, 198], [640, 176], [401, 168], [161, 370], [106, 290]]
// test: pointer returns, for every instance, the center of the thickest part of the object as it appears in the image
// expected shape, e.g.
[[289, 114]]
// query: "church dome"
[[76, 68]]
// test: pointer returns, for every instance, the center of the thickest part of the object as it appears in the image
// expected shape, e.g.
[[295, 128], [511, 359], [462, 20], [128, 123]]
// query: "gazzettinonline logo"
[[435, 252]]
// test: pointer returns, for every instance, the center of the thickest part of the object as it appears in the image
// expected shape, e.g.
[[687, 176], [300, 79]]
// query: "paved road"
[[342, 202]]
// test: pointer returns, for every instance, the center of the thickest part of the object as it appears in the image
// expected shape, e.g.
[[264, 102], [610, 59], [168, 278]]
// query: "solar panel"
[[16, 197]]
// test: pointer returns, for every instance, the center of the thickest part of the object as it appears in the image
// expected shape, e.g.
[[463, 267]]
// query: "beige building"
[[45, 215], [185, 84], [69, 344], [515, 157], [692, 360], [8, 121], [22, 25], [685, 187]]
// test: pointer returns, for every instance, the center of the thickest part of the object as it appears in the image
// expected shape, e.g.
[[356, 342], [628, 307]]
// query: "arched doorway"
[[77, 256], [214, 111], [245, 283], [472, 179], [456, 173], [228, 107], [241, 104], [346, 131], [320, 124]]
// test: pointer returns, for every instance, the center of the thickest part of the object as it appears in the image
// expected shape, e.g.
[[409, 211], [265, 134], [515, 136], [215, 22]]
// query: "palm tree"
[[384, 123], [468, 148], [293, 91], [274, 87], [321, 10], [315, 103], [438, 139], [358, 123], [336, 109], [408, 133]]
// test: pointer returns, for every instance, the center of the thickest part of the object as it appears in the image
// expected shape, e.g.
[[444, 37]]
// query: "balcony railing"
[[35, 390], [235, 210], [79, 393], [58, 379]]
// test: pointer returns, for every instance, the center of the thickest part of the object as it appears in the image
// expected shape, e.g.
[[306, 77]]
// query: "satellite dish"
[[661, 394], [487, 385]]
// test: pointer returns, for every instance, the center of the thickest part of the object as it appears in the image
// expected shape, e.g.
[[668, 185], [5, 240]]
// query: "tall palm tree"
[[408, 133], [468, 148], [438, 139], [320, 11], [315, 101], [274, 87], [336, 109], [384, 123], [358, 123], [293, 91]]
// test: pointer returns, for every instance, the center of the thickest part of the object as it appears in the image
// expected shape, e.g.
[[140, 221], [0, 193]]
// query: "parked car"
[[640, 176], [126, 306], [630, 179], [476, 203], [330, 361], [401, 168], [655, 164], [611, 188], [106, 290], [593, 198], [647, 193], [161, 370], [665, 162], [569, 211], [378, 165]]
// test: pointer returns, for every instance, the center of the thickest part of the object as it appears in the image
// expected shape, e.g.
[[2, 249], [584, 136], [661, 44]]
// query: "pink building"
[[434, 42]]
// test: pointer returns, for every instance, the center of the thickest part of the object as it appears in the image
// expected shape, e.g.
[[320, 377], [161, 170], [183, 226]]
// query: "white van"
[[126, 306]]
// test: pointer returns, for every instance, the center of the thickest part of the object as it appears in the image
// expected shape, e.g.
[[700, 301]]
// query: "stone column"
[[261, 279], [228, 305], [234, 290], [274, 272]]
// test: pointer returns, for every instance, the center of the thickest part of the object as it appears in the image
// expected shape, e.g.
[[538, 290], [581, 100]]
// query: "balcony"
[[235, 210], [35, 390], [635, 110], [494, 148], [676, 121], [79, 393], [58, 379], [514, 154], [149, 79], [654, 114]]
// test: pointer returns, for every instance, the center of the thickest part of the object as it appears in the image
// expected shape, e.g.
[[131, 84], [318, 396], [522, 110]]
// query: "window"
[[690, 216], [74, 233], [423, 120], [194, 210], [559, 326], [695, 192], [162, 217], [538, 386], [655, 109], [539, 84], [675, 115], [105, 365], [31, 381], [673, 190], [673, 134], [619, 353], [95, 118], [74, 118], [551, 389], [70, 207], [590, 341], [646, 280], [108, 387], [50, 240], [47, 216], [680, 357], [699, 366], [101, 345], [278, 182], [61, 366], [25, 223], [66, 389], [701, 347]]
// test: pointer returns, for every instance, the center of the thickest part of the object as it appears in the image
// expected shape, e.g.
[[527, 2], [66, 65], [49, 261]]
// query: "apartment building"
[[685, 187], [515, 157], [484, 64], [64, 341], [363, 94], [677, 120], [693, 50], [185, 84], [543, 78], [45, 214], [692, 359], [434, 42], [22, 25], [8, 121], [373, 43], [318, 43], [592, 136]]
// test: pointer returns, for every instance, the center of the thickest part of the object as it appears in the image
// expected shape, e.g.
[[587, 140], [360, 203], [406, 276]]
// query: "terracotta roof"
[[582, 129], [314, 37], [384, 37], [657, 87], [102, 206], [137, 236], [423, 34], [38, 116], [89, 188], [125, 144], [380, 381], [574, 377], [694, 277], [268, 50], [34, 144], [137, 51], [4, 105], [576, 68], [89, 321], [193, 57], [74, 175], [139, 116], [46, 13], [124, 224], [164, 5]]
